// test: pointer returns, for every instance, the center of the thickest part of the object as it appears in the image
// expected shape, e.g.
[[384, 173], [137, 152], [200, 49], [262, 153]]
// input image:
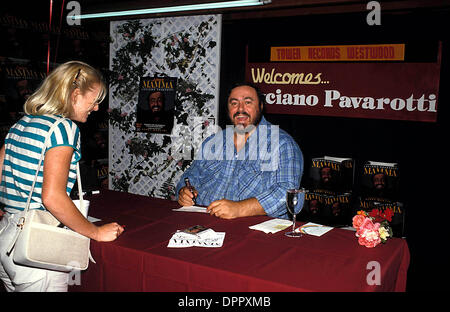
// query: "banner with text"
[[401, 91], [364, 52]]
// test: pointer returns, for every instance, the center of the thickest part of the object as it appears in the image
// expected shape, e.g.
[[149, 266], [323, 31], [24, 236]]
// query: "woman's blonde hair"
[[53, 97]]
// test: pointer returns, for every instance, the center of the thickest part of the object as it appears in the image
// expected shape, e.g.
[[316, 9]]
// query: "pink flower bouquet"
[[369, 232]]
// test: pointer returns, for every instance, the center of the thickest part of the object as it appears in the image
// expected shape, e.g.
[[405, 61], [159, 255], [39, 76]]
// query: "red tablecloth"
[[249, 260]]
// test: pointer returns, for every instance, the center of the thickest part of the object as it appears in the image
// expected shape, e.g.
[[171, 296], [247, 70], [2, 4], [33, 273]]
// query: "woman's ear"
[[76, 92]]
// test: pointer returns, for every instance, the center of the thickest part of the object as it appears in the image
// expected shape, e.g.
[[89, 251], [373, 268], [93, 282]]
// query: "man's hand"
[[228, 209], [225, 209], [185, 196]]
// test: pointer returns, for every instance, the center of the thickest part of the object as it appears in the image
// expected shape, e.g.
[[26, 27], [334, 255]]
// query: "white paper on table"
[[272, 226], [191, 209], [314, 229], [208, 238]]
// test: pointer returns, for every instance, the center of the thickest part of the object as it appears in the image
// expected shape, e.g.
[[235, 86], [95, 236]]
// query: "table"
[[249, 260]]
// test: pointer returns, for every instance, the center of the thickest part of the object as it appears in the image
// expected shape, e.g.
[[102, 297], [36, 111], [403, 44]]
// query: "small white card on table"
[[191, 209], [272, 226]]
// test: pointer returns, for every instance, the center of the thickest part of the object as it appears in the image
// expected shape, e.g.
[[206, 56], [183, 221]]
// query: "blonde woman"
[[72, 91]]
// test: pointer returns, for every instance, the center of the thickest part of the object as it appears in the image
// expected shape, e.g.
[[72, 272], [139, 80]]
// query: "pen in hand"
[[191, 188]]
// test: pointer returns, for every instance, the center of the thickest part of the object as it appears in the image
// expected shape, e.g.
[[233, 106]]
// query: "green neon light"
[[180, 8]]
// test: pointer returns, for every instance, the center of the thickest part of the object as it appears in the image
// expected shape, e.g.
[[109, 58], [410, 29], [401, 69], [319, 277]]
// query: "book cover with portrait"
[[381, 208], [19, 79], [327, 208], [156, 104], [331, 173], [380, 179]]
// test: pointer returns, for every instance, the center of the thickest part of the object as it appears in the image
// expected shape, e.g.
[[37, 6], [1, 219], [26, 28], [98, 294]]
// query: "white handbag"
[[39, 241]]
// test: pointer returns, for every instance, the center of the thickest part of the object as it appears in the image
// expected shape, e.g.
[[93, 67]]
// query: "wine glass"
[[294, 203]]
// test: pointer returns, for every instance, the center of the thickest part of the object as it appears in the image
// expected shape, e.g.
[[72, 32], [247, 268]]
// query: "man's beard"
[[157, 114], [240, 129]]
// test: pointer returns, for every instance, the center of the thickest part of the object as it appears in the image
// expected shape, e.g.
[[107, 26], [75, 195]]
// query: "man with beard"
[[156, 117], [156, 104], [246, 169]]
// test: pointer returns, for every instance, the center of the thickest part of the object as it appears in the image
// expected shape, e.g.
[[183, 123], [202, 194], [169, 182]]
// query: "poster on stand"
[[156, 104]]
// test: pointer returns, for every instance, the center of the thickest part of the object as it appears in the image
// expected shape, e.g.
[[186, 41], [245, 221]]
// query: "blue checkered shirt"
[[270, 163]]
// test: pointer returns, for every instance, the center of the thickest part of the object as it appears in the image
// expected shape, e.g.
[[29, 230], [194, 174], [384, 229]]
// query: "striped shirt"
[[269, 163], [23, 146]]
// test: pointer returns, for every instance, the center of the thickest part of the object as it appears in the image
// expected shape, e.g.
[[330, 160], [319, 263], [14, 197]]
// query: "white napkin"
[[314, 229], [272, 226]]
